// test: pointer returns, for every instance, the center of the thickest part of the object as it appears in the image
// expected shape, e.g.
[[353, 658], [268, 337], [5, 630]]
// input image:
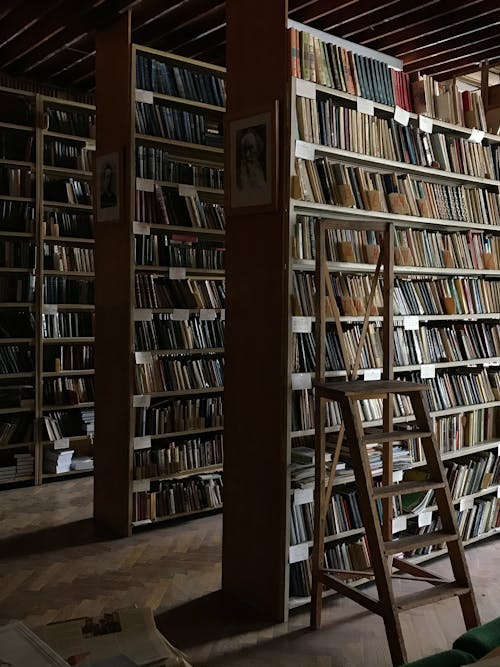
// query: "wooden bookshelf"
[[171, 353], [262, 365]]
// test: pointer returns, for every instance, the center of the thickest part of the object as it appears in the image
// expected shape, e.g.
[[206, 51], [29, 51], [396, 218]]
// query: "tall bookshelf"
[[33, 234], [172, 466], [431, 255]]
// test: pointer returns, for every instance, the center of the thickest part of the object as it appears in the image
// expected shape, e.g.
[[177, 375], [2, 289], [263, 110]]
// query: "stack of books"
[[57, 461], [25, 464]]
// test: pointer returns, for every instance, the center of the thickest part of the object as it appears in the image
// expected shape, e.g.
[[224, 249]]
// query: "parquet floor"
[[52, 567]]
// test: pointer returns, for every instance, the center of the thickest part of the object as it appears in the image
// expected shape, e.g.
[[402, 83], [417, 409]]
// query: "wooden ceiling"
[[53, 41]]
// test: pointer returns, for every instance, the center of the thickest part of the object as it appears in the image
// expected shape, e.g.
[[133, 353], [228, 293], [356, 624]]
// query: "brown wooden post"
[[388, 372]]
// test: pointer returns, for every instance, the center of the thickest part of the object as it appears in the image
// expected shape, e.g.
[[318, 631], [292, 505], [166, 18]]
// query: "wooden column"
[[114, 287], [257, 326]]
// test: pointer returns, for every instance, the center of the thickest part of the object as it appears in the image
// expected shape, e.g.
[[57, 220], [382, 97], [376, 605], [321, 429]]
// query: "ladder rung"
[[358, 389], [393, 436], [417, 541], [405, 487], [430, 595]]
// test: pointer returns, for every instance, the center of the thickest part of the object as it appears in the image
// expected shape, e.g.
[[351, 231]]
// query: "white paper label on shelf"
[[401, 116], [399, 523], [411, 323], [90, 144], [466, 503], [303, 496], [142, 442], [223, 314], [498, 491], [140, 485], [50, 308], [372, 373], [305, 89], [427, 371], [498, 451], [301, 381], [177, 273], [298, 552], [187, 190], [365, 106], [142, 315], [141, 401], [397, 476], [145, 96], [145, 184], [425, 123], [144, 357], [424, 519], [476, 136], [301, 324], [141, 228], [207, 314], [179, 314], [304, 150], [62, 443]]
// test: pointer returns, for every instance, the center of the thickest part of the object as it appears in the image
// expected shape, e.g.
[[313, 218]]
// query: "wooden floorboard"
[[53, 567]]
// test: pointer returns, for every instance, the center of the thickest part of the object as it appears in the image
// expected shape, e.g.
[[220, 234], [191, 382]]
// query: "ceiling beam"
[[470, 62], [21, 19], [461, 72], [306, 12]]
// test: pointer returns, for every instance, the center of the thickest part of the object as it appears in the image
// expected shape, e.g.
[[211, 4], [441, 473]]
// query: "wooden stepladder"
[[384, 550]]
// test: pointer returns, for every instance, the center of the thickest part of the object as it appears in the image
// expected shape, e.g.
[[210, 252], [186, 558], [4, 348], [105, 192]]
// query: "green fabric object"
[[481, 640], [453, 658]]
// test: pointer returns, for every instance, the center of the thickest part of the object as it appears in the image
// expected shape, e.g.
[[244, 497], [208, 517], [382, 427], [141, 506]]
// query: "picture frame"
[[253, 142], [108, 187]]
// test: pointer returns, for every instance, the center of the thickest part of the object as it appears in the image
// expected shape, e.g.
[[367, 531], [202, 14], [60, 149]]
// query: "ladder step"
[[405, 487], [393, 436], [417, 541], [430, 595], [358, 389]]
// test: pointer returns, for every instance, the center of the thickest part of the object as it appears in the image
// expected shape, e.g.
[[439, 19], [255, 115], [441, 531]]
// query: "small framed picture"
[[253, 160], [108, 187]]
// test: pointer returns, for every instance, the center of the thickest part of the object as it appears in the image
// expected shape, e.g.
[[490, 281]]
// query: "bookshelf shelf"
[[182, 392], [73, 439], [16, 480], [191, 351], [17, 376], [65, 171], [17, 163], [11, 269], [69, 240], [188, 231], [347, 267], [10, 341], [72, 274], [62, 373], [184, 148], [19, 199], [179, 474], [185, 103], [181, 434], [68, 205], [441, 552], [68, 340], [68, 406], [16, 410], [173, 517], [89, 141], [17, 445], [17, 128], [202, 190], [69, 473], [197, 274]]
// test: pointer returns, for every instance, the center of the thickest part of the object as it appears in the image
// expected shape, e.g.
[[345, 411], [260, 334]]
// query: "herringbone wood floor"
[[53, 568]]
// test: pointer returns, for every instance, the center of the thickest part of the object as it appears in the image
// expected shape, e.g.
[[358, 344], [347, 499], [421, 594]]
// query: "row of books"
[[178, 125], [60, 461], [17, 324], [160, 292], [75, 225], [178, 250], [67, 155], [68, 390], [339, 68], [67, 191], [162, 333], [67, 325], [68, 258], [179, 415], [16, 395], [177, 457], [16, 359], [323, 122], [157, 164], [16, 216], [60, 289], [17, 254], [77, 122], [165, 206], [14, 466], [68, 423], [67, 357], [16, 182], [168, 374], [178, 497], [419, 296], [161, 77], [16, 429], [426, 345], [478, 473], [17, 288], [325, 181], [18, 146], [462, 386]]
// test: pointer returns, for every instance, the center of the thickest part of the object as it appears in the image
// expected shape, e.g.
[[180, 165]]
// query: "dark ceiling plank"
[[327, 15], [470, 61], [201, 43], [72, 74], [216, 54], [76, 26], [379, 22], [306, 12], [22, 18], [150, 11], [441, 49], [463, 71], [450, 20], [64, 57]]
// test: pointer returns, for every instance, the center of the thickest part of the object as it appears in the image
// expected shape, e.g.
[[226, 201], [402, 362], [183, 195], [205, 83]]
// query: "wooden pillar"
[[257, 325], [114, 285]]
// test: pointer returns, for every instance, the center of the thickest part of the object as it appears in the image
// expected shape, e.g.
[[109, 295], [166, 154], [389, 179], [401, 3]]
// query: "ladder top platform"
[[366, 389]]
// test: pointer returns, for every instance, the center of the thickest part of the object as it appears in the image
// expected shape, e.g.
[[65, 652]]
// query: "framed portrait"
[[108, 187], [253, 160]]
